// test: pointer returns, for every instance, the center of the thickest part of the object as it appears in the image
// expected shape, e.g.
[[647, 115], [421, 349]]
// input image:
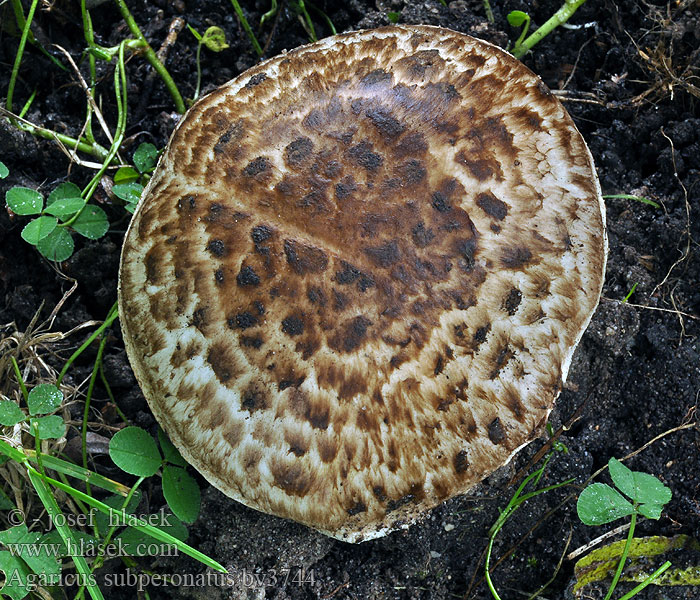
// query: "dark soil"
[[628, 80]]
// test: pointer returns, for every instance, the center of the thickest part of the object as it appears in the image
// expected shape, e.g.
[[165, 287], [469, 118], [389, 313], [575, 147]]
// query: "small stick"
[[594, 542]]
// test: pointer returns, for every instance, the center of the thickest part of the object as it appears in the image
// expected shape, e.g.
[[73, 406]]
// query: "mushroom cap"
[[354, 284]]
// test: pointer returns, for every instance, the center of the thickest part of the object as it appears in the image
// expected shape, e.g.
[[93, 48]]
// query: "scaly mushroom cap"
[[356, 279]]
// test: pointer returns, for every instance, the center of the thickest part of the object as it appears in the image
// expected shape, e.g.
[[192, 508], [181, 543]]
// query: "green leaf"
[[92, 222], [146, 155], [129, 192], [649, 490], [63, 191], [65, 207], [125, 175], [10, 413], [650, 511], [44, 398], [49, 428], [622, 477], [24, 201], [599, 504], [393, 17], [214, 38], [41, 558], [642, 488], [4, 171], [181, 493], [37, 229], [16, 573], [135, 452], [517, 17], [170, 452], [57, 246], [194, 32], [14, 535]]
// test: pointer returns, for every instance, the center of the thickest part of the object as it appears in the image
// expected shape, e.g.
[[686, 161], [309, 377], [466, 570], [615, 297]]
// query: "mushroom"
[[355, 282]]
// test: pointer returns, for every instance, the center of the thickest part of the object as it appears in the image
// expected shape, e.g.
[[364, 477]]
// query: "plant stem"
[[81, 505], [558, 18], [95, 149], [492, 588], [86, 409], [120, 93], [623, 558], [18, 374], [100, 558], [246, 27], [152, 58], [90, 39], [34, 428], [270, 13], [110, 394], [111, 316], [27, 104], [20, 53]]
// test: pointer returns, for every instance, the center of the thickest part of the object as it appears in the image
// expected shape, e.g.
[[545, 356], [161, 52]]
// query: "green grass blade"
[[66, 534], [19, 55], [111, 316], [246, 27], [138, 524], [641, 199], [65, 467], [629, 294], [655, 575]]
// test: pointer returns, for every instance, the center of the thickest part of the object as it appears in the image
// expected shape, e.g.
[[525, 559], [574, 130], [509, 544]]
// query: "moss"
[[645, 555]]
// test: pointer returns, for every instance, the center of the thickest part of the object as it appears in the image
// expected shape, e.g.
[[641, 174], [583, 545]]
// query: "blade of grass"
[[86, 406], [641, 199], [90, 39], [111, 316], [629, 294], [307, 19], [20, 53], [324, 16], [138, 524], [66, 534], [655, 575], [65, 467], [18, 375], [246, 27], [489, 12], [100, 558]]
